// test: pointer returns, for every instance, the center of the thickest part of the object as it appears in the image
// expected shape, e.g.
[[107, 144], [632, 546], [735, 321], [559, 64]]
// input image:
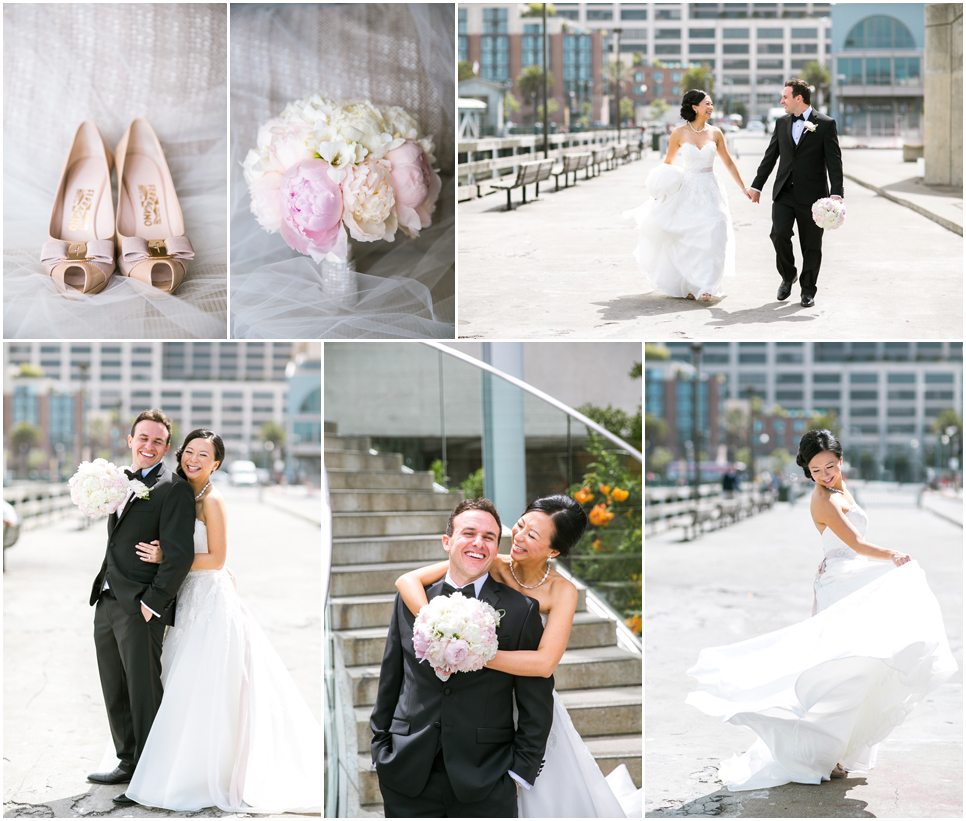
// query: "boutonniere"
[[809, 125]]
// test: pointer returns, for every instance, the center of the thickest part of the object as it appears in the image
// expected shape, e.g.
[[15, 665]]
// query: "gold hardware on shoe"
[[157, 249], [77, 252]]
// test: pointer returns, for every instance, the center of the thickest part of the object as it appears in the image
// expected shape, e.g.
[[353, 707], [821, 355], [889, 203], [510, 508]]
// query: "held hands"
[[150, 552], [899, 559], [754, 196]]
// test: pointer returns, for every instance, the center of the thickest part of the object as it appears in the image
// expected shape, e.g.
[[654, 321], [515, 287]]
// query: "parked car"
[[755, 127], [243, 472]]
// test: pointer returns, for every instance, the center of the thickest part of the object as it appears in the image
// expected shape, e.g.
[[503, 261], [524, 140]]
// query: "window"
[[770, 80], [863, 396], [738, 79], [735, 34], [631, 14], [770, 64], [751, 358], [865, 413], [901, 379], [657, 76], [701, 34], [668, 14], [462, 21], [771, 48], [851, 69], [899, 413], [675, 76], [667, 48], [494, 21], [878, 71], [804, 48], [939, 379], [827, 378], [599, 14], [789, 396], [804, 34], [825, 395], [735, 48], [668, 34], [902, 396], [675, 90], [701, 48], [907, 71], [945, 396], [879, 32], [771, 34], [864, 379], [735, 64]]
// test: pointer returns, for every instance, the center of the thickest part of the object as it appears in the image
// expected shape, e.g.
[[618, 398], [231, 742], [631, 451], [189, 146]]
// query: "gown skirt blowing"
[[233, 730], [828, 690], [685, 236]]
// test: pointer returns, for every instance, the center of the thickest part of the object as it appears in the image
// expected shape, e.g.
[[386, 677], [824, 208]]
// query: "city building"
[[669, 396], [751, 48], [877, 84], [303, 418], [884, 395], [499, 43], [234, 388]]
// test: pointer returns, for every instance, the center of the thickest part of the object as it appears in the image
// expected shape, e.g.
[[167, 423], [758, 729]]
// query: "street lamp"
[[546, 107], [696, 349], [617, 80]]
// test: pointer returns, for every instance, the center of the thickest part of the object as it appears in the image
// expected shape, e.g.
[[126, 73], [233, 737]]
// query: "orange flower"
[[596, 544], [585, 494], [635, 623], [620, 495], [605, 489], [600, 516]]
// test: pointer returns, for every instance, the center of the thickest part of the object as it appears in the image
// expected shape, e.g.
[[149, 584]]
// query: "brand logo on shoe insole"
[[80, 208], [150, 205]]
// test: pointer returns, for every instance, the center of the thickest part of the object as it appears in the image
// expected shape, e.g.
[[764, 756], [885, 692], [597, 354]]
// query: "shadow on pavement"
[[915, 185], [827, 800]]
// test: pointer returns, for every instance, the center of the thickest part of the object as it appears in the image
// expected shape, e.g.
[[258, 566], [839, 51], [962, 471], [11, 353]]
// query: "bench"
[[601, 157], [572, 163], [620, 154], [701, 515], [528, 173]]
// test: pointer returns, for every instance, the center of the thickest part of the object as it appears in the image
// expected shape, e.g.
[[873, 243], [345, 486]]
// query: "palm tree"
[[530, 83], [617, 72], [817, 76], [698, 77]]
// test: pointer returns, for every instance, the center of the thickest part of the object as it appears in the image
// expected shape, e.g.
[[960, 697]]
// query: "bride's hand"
[[232, 577], [899, 559], [150, 552]]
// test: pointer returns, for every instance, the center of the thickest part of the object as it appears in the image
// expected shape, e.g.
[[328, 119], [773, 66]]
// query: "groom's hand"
[[146, 613], [753, 195]]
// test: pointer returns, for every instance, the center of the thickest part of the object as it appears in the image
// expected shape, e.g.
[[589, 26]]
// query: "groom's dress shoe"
[[123, 801], [807, 301], [785, 289], [115, 776]]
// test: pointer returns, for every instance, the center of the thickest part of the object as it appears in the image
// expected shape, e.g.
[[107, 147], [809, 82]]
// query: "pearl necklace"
[[529, 586], [697, 130], [203, 490]]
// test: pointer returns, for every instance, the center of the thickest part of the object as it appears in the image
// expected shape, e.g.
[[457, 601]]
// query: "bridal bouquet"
[[323, 168], [100, 486], [828, 213], [456, 634]]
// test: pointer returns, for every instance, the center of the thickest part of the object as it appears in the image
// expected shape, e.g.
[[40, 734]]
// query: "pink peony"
[[456, 652], [311, 211], [420, 643], [417, 186], [265, 200], [369, 201]]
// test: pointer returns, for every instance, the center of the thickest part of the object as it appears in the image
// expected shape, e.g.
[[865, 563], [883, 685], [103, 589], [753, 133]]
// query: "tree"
[[741, 109], [736, 427], [536, 10], [698, 77], [552, 106], [23, 436], [511, 105], [627, 109], [618, 72], [657, 109], [29, 371], [530, 84], [272, 435], [827, 421], [817, 76], [464, 70], [655, 352]]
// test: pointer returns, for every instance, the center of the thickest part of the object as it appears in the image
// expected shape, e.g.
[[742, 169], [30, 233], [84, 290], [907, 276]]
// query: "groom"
[[136, 599], [807, 147], [450, 749]]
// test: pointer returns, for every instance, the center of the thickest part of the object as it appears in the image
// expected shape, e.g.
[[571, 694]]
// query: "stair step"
[[382, 501], [364, 646], [407, 523], [590, 667], [379, 549], [350, 612], [603, 712], [342, 479], [331, 442], [362, 460], [609, 752]]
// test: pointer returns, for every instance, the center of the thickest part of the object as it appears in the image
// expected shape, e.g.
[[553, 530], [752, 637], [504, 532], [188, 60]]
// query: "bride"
[[570, 784], [686, 242], [822, 694], [233, 731]]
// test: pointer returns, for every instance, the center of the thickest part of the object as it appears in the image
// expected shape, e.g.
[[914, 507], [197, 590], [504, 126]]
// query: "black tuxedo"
[[806, 172], [128, 648], [467, 720]]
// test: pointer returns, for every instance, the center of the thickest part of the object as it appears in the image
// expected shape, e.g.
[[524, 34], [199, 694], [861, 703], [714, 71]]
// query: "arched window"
[[879, 31], [313, 402]]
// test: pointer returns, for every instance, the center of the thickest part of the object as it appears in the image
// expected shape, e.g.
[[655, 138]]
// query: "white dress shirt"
[[798, 126]]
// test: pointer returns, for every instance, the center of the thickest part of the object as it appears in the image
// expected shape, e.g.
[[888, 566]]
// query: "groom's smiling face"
[[473, 545], [148, 443]]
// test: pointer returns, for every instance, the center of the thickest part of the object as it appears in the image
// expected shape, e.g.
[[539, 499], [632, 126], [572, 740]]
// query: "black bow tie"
[[469, 591], [132, 474], [800, 117]]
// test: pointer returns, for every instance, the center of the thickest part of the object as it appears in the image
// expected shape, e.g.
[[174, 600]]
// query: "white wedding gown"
[[233, 731], [571, 784], [686, 243], [826, 691]]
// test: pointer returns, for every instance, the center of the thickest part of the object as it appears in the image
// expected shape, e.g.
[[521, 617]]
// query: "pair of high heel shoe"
[[79, 254]]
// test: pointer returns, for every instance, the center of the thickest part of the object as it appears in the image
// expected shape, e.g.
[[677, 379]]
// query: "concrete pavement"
[[55, 728], [755, 577], [562, 267]]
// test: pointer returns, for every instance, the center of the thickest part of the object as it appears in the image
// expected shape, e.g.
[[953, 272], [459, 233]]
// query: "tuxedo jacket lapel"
[[149, 482]]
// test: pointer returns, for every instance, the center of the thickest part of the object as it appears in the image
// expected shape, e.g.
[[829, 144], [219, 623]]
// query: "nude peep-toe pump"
[[79, 252], [150, 227]]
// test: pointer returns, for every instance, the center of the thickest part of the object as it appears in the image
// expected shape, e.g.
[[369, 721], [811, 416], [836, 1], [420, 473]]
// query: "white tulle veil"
[[392, 54], [64, 63]]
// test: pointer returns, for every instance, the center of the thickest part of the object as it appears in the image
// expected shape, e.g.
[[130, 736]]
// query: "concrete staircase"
[[387, 520]]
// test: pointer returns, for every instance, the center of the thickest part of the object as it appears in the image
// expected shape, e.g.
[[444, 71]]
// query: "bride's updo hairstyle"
[[208, 436], [568, 517], [692, 97], [813, 443]]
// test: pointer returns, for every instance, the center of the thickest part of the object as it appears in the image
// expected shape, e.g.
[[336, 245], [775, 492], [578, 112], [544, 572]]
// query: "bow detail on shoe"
[[138, 249], [99, 252]]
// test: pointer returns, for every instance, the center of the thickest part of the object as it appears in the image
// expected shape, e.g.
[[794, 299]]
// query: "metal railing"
[[38, 504], [669, 507]]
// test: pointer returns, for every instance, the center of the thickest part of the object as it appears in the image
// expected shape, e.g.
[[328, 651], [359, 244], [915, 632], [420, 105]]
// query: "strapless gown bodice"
[[833, 546], [692, 158]]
